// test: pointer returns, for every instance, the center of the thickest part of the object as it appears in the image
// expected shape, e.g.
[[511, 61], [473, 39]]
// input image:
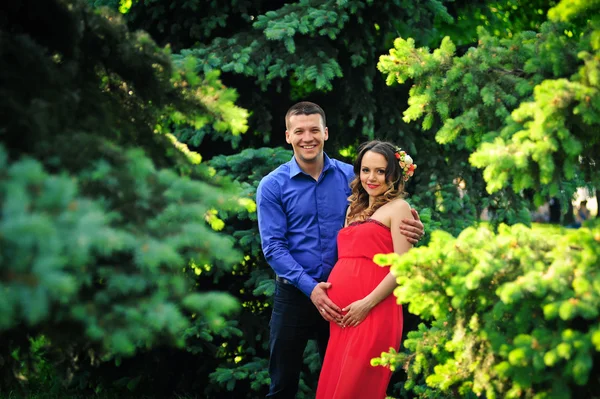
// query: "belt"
[[282, 280]]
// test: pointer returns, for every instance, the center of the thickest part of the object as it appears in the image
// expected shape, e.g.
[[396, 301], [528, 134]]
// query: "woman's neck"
[[371, 201]]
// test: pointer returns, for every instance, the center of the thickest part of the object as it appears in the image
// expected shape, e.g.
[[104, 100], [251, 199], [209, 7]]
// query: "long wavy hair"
[[359, 200]]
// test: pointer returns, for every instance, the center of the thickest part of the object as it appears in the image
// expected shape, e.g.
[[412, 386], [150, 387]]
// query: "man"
[[583, 214], [301, 208]]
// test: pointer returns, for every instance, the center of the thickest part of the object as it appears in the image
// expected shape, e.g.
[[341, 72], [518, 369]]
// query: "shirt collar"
[[295, 168]]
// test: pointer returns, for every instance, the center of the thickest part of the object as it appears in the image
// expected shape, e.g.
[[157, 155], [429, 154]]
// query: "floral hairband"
[[406, 164]]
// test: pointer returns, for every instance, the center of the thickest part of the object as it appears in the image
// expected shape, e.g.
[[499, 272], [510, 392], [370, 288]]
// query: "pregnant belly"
[[352, 279]]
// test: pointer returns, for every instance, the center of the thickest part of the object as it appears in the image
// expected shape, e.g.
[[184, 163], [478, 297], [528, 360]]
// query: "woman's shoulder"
[[398, 204], [395, 208]]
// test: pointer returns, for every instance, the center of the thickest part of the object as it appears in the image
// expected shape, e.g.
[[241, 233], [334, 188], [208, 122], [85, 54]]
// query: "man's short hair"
[[304, 108]]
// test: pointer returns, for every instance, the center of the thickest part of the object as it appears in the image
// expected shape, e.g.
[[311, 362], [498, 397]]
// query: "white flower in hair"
[[408, 160]]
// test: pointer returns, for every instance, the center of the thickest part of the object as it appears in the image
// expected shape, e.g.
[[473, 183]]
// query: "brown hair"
[[359, 200], [304, 108]]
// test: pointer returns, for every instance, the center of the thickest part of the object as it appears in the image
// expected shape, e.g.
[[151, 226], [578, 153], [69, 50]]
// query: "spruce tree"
[[513, 314], [103, 210], [277, 53]]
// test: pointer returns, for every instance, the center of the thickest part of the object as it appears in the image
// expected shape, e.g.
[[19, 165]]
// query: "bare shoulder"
[[399, 209], [399, 205], [393, 211]]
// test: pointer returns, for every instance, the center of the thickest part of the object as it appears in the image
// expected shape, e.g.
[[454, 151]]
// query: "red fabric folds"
[[347, 372]]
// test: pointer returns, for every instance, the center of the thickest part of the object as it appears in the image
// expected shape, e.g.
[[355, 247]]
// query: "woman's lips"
[[372, 186]]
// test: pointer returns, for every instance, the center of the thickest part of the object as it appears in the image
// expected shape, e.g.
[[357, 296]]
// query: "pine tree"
[[514, 102], [513, 314], [102, 208], [276, 53]]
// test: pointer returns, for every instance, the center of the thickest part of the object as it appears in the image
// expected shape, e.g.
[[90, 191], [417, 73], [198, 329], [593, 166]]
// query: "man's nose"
[[306, 136]]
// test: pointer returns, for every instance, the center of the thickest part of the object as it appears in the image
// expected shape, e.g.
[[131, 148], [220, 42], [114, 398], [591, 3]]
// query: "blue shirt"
[[299, 218]]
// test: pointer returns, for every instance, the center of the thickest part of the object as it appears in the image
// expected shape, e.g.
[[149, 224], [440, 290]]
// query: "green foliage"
[[102, 209], [218, 100], [291, 50], [514, 314], [503, 18], [526, 105], [277, 53], [34, 366], [295, 25]]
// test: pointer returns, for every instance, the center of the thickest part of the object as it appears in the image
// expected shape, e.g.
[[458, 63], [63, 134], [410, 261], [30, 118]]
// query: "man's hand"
[[329, 310], [413, 229]]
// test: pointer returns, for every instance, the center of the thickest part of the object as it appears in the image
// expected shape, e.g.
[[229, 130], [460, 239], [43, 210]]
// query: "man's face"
[[307, 135]]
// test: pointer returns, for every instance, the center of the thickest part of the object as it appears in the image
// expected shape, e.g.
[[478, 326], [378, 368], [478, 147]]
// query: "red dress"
[[347, 372]]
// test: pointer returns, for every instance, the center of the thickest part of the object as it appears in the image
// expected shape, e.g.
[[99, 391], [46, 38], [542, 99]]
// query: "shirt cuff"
[[307, 284]]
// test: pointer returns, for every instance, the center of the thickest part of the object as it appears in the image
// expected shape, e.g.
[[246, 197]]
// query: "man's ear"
[[326, 134], [287, 137]]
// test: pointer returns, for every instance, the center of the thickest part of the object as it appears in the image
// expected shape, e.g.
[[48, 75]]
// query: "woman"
[[372, 322]]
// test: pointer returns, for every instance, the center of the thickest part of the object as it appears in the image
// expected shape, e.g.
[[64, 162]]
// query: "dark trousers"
[[294, 321]]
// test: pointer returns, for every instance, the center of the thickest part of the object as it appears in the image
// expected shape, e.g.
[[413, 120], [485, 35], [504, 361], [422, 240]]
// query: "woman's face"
[[372, 173]]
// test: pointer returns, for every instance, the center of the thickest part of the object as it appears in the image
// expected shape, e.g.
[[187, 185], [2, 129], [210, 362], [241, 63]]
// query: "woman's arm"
[[357, 311]]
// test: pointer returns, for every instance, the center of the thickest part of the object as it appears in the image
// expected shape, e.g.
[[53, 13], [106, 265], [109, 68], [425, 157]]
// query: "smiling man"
[[301, 207]]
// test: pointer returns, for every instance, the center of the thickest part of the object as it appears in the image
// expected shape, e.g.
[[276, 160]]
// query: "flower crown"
[[406, 163]]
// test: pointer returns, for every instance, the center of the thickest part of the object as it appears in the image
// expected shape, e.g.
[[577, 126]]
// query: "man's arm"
[[272, 225], [413, 229]]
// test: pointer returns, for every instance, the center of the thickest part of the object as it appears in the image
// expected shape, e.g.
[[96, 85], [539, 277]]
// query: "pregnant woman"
[[372, 321]]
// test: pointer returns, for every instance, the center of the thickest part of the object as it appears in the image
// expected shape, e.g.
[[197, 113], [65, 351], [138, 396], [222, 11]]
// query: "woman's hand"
[[357, 311]]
